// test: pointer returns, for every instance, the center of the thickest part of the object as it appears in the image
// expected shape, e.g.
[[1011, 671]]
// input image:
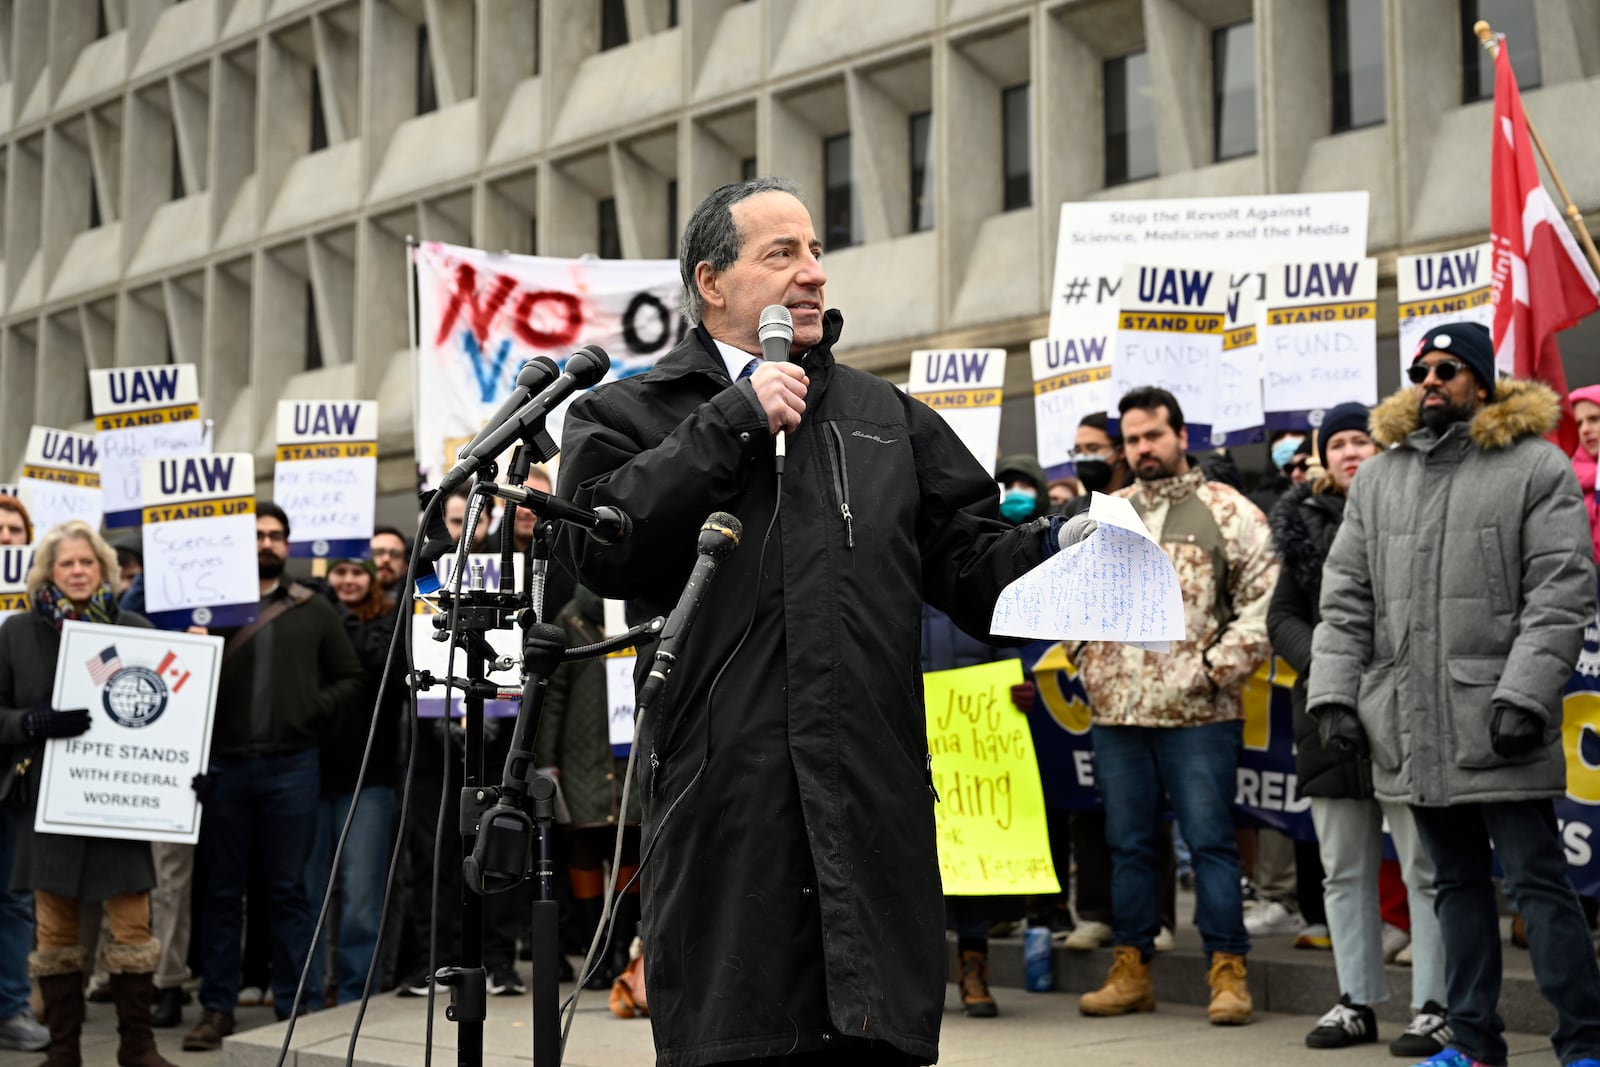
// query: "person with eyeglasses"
[[391, 554], [1453, 605], [286, 681]]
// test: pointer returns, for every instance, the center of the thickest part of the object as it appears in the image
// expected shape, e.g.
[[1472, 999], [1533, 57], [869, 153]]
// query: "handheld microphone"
[[776, 332], [585, 367], [535, 374], [718, 537]]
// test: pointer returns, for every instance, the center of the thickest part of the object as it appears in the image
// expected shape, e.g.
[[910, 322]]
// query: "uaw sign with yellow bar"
[[965, 387], [1169, 333], [1071, 379], [1240, 419], [200, 540], [60, 478], [1319, 339], [141, 412], [14, 563], [1444, 287], [326, 476]]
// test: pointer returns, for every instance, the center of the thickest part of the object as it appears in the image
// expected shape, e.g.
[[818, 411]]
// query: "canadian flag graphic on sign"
[[1541, 282], [173, 672]]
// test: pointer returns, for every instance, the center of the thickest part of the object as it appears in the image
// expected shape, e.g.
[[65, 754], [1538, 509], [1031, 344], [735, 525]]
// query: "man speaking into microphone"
[[792, 903]]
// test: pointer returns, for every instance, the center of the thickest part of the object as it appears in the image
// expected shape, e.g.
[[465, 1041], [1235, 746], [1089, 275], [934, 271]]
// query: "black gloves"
[[1340, 728], [1515, 731], [204, 785], [45, 722]]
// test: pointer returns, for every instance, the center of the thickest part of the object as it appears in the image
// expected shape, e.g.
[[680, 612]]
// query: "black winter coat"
[[1303, 527], [794, 894], [85, 868]]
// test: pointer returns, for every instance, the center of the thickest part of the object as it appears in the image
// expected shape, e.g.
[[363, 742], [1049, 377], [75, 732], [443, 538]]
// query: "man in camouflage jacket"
[[1171, 724]]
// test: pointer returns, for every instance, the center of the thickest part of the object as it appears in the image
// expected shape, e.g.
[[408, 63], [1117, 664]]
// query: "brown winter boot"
[[1127, 987], [133, 995], [975, 997], [1230, 995], [60, 975]]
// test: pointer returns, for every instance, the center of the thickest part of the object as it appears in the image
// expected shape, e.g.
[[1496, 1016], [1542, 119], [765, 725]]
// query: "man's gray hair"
[[711, 235]]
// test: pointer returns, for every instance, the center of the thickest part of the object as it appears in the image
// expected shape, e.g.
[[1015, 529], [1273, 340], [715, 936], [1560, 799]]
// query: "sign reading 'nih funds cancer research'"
[[60, 478], [200, 540], [1071, 379], [141, 412], [326, 476]]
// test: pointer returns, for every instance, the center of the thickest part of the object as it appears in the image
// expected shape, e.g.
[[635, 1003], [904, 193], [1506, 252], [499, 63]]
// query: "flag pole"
[[1491, 44]]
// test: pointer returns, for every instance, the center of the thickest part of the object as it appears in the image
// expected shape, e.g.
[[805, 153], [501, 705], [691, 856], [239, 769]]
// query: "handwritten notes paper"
[[1116, 585]]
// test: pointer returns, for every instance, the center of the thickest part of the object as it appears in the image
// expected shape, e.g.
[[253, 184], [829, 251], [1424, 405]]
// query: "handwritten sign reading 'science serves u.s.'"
[[141, 412], [326, 476], [60, 478], [1319, 339], [200, 540], [1169, 333], [965, 388]]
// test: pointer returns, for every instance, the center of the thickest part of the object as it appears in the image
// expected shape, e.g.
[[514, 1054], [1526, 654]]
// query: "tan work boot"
[[975, 996], [1127, 987], [1230, 995]]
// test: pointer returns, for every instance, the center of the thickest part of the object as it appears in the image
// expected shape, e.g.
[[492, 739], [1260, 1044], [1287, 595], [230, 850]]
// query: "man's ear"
[[709, 281]]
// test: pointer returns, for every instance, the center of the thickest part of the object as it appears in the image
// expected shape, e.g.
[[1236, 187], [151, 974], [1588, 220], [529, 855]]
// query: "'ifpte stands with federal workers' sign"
[[141, 412], [326, 476], [200, 540]]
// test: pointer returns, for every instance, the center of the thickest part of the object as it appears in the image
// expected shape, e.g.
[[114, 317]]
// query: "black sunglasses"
[[1444, 370]]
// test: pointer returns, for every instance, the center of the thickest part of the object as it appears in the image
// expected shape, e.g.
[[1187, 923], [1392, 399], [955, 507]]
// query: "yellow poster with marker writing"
[[990, 814]]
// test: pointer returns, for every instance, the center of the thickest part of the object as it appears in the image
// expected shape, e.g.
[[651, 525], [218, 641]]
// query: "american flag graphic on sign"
[[103, 666]]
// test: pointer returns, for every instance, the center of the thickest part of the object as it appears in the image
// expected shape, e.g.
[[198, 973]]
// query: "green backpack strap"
[[1190, 522]]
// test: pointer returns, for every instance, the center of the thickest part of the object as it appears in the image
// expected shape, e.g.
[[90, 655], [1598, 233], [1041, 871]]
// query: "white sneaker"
[[1394, 939], [24, 1033], [1271, 918], [1088, 936], [1403, 957], [1164, 941]]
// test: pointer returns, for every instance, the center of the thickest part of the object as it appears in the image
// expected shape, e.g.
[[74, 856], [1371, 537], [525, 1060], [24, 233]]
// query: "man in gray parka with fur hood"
[[1453, 606]]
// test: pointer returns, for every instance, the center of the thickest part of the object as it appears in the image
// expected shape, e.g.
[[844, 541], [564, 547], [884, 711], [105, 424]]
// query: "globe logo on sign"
[[319, 548], [135, 697], [202, 616]]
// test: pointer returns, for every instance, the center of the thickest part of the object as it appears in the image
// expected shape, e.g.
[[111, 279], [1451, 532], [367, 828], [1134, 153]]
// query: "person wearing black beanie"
[[1347, 416]]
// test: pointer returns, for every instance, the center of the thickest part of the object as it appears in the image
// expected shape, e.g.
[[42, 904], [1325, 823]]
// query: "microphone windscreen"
[[721, 533], [536, 373], [588, 365], [775, 321]]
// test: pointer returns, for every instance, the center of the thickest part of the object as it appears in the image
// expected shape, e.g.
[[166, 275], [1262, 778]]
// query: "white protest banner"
[[965, 387], [14, 563], [620, 692], [1319, 339], [153, 695], [141, 412], [200, 540], [60, 478], [482, 316], [1443, 287], [1071, 379], [1116, 585], [1240, 417], [326, 475], [434, 656], [1169, 333]]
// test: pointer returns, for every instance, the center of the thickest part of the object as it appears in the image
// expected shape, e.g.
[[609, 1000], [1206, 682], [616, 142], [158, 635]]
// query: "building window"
[[747, 168], [1515, 19], [672, 218], [672, 13], [1016, 147], [921, 138], [313, 339], [319, 122], [101, 27], [1130, 120], [179, 191], [533, 237], [96, 220], [534, 7], [427, 90], [610, 238], [613, 24], [839, 191], [1233, 90], [1355, 33]]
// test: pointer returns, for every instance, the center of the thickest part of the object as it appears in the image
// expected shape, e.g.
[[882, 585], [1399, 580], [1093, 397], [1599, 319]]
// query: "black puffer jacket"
[[1303, 527]]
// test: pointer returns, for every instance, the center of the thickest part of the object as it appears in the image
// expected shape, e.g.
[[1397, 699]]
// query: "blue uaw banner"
[[1266, 793], [1579, 811]]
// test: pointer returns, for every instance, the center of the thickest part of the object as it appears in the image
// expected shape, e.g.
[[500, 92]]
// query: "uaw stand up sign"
[[152, 696], [200, 540]]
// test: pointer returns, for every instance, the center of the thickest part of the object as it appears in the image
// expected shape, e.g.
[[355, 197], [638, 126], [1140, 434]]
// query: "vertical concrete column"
[[1295, 88], [1180, 74], [1424, 85]]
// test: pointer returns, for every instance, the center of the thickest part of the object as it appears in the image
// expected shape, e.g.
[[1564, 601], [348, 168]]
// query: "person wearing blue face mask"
[[1022, 485]]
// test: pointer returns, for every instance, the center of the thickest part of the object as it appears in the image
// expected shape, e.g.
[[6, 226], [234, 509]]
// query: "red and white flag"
[[1542, 283], [172, 672]]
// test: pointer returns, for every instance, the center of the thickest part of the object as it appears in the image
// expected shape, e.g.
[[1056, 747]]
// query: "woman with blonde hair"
[[73, 574]]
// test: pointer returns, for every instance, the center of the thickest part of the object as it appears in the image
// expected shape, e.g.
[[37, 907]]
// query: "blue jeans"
[[272, 802], [362, 870], [1195, 767], [16, 927], [1529, 847]]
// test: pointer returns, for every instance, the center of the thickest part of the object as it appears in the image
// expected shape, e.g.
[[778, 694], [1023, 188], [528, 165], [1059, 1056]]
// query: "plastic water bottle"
[[1036, 953]]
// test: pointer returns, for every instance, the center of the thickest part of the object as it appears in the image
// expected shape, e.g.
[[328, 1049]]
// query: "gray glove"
[[1078, 528]]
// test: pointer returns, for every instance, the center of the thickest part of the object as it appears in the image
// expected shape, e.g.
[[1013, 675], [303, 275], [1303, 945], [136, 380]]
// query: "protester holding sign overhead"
[[73, 573]]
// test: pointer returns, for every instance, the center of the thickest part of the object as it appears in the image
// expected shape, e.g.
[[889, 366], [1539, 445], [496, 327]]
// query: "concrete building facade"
[[231, 182]]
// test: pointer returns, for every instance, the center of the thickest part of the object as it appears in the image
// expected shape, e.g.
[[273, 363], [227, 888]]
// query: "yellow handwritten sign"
[[990, 814]]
